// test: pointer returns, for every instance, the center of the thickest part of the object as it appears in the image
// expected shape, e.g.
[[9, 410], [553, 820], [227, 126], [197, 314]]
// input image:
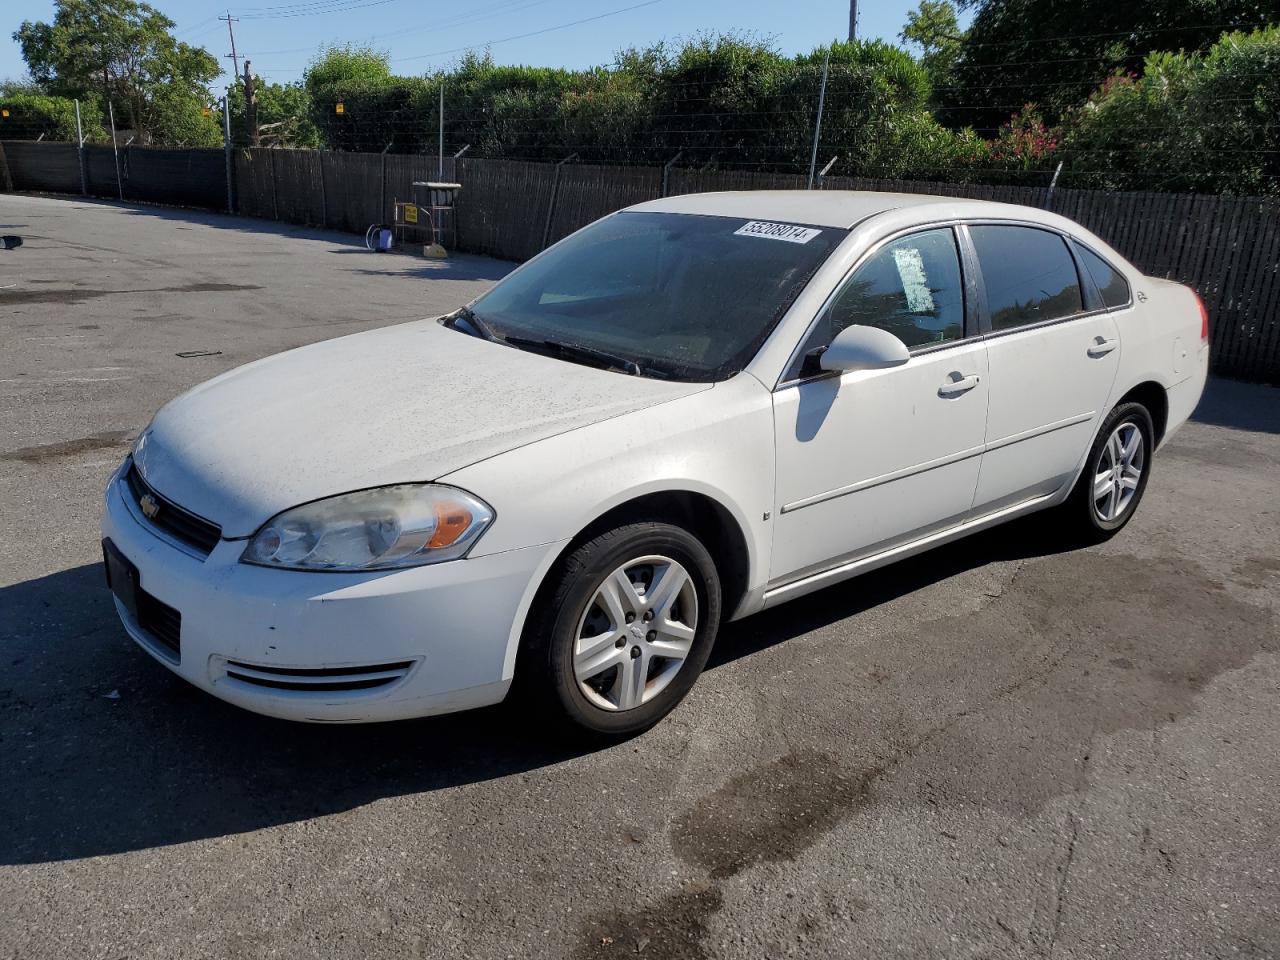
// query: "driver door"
[[870, 459]]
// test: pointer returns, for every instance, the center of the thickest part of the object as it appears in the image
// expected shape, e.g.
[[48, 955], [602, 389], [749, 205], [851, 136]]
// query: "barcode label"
[[777, 231]]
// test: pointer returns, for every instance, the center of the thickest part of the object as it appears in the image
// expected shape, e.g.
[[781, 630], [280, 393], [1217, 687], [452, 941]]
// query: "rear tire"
[[1114, 477], [624, 630]]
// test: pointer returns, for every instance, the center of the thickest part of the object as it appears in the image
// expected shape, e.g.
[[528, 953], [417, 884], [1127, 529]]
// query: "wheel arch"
[[718, 525], [703, 515], [1155, 398], [1152, 395]]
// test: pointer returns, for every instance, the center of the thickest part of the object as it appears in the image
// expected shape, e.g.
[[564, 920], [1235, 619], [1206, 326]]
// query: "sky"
[[280, 37]]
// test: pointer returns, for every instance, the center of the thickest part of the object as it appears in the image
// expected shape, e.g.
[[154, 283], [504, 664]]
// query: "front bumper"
[[310, 646]]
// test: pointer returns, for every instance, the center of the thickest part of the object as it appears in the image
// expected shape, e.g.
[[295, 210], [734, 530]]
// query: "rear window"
[[1111, 284], [1029, 274]]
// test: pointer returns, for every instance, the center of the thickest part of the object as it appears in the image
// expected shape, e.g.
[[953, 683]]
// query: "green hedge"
[[31, 116]]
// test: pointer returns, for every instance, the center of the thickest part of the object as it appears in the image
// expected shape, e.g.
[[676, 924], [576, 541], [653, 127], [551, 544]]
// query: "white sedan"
[[688, 411]]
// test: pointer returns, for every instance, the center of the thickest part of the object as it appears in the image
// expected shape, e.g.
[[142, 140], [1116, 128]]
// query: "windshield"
[[679, 296]]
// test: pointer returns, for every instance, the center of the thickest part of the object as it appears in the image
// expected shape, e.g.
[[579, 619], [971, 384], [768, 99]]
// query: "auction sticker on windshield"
[[777, 231]]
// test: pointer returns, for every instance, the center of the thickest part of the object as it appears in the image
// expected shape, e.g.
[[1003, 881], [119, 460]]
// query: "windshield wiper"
[[574, 351], [569, 351], [475, 322]]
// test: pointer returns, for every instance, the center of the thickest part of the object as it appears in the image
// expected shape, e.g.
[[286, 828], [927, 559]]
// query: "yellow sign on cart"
[[410, 213]]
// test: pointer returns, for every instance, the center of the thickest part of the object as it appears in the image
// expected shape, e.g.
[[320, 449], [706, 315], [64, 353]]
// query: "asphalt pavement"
[[1005, 748]]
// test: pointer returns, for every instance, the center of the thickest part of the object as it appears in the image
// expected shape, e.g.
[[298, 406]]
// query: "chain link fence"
[[1228, 248]]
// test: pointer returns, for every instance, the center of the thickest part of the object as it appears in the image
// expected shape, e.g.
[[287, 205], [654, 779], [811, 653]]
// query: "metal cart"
[[429, 217]]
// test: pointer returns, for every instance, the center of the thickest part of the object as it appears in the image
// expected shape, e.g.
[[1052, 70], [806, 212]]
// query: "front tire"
[[1115, 475], [626, 629]]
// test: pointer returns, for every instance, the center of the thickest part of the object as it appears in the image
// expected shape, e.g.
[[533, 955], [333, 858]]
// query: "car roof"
[[819, 208], [847, 208]]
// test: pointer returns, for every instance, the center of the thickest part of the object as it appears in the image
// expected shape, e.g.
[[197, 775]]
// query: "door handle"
[[1101, 346], [953, 388]]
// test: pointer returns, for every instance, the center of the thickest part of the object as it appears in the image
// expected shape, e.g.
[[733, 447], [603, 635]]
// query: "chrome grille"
[[181, 524]]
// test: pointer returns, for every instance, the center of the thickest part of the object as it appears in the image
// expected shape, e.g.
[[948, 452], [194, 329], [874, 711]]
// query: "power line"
[[196, 26], [438, 26], [756, 137], [340, 7], [310, 8], [490, 43], [799, 69], [533, 33]]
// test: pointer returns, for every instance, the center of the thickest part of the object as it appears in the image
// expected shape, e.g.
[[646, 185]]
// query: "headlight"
[[380, 529]]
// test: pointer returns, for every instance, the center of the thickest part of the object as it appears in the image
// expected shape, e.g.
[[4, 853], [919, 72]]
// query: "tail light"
[[1204, 320]]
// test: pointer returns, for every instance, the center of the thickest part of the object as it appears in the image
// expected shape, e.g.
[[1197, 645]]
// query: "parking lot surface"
[[1005, 748]]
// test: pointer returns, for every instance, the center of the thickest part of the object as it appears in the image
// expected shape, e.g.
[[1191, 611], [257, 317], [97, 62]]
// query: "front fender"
[[717, 443]]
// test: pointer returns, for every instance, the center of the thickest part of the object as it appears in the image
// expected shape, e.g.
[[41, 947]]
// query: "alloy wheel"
[[636, 633], [1118, 473]]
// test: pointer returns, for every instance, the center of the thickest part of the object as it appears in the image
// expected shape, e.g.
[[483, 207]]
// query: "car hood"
[[401, 404]]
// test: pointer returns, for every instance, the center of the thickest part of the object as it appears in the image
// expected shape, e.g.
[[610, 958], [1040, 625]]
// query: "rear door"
[[1053, 352]]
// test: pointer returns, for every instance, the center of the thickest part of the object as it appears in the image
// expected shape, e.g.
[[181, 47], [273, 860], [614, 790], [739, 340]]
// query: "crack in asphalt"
[[1064, 872]]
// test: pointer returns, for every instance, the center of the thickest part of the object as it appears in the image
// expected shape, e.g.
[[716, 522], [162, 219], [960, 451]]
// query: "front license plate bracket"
[[122, 577]]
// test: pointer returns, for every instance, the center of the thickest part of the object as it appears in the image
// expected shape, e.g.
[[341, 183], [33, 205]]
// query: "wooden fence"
[[1227, 248], [340, 191], [185, 178]]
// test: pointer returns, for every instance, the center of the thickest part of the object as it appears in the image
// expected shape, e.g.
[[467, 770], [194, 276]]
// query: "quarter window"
[[910, 287], [1029, 275], [1111, 283]]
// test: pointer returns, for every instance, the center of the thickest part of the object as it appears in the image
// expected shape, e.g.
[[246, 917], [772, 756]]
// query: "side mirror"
[[864, 348]]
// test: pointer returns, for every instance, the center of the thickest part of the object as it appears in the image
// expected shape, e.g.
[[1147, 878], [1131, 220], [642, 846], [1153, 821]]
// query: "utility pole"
[[853, 20], [440, 165], [235, 61], [250, 106]]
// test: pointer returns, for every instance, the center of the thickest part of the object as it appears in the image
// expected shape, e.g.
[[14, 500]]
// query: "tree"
[[345, 67], [717, 99], [357, 78], [1189, 122], [1054, 54], [878, 119], [12, 88], [1024, 145], [123, 53], [284, 115], [935, 29]]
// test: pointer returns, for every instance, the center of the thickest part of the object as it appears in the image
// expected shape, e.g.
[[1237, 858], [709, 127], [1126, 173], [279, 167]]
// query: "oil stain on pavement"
[[1079, 670], [45, 452], [82, 294]]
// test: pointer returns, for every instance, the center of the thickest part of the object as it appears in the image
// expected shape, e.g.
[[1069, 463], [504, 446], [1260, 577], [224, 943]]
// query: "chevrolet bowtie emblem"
[[150, 506]]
